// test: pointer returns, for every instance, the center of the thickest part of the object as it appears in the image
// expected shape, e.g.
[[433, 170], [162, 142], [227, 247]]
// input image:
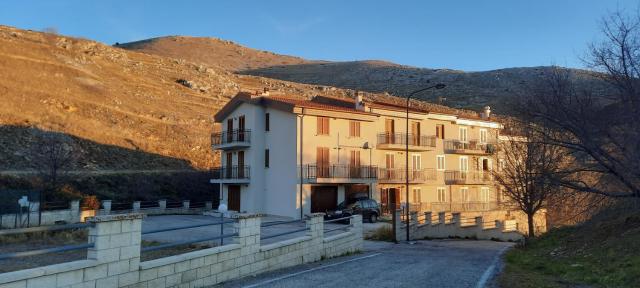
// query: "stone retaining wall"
[[447, 225], [115, 259]]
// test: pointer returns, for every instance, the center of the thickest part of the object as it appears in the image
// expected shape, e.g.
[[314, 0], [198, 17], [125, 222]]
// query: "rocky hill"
[[212, 52], [471, 90], [126, 110]]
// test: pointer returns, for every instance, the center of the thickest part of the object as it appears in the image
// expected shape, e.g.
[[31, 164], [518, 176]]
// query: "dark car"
[[368, 208]]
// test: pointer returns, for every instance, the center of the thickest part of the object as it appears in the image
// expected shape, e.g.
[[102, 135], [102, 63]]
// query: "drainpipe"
[[301, 168]]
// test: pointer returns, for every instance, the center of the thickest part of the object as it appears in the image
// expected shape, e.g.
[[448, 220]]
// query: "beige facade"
[[350, 148]]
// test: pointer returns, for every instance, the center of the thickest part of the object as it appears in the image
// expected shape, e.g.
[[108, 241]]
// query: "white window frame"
[[438, 166], [484, 194], [442, 199], [413, 161], [416, 191], [464, 194], [484, 136], [466, 134], [466, 161]]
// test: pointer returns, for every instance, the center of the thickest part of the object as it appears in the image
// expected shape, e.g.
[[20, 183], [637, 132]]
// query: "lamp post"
[[406, 151]]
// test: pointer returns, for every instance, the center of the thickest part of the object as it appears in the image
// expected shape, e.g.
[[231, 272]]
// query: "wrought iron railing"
[[232, 172], [233, 136], [400, 175], [470, 146], [313, 171], [401, 139], [467, 177]]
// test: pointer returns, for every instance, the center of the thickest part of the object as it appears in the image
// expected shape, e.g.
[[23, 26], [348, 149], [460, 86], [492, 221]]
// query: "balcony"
[[232, 175], [469, 147], [336, 173], [397, 141], [467, 177], [226, 140], [392, 175]]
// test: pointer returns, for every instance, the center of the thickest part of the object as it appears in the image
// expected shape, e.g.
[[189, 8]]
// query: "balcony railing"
[[471, 146], [400, 175], [467, 177], [422, 141], [232, 172], [313, 171], [231, 137]]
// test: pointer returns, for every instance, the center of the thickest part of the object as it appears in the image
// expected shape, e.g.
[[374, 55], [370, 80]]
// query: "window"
[[354, 129], [440, 162], [464, 194], [483, 135], [442, 194], [463, 134], [440, 131], [416, 195], [484, 194], [266, 158], [266, 122], [323, 126], [390, 161], [416, 161], [464, 163]]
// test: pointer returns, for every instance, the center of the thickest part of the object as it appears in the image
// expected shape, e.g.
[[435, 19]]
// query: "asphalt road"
[[435, 263]]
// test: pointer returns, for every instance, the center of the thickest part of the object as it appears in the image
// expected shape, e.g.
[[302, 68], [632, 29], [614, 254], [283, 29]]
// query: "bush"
[[383, 233]]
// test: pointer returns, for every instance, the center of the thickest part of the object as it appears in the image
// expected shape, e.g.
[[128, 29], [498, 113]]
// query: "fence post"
[[117, 240], [441, 217], [413, 217], [427, 217], [185, 204], [315, 249], [136, 206], [74, 209], [162, 205], [455, 218], [208, 206], [248, 229], [106, 204], [397, 224]]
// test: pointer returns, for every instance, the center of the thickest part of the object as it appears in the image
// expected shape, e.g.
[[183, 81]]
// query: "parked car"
[[368, 208]]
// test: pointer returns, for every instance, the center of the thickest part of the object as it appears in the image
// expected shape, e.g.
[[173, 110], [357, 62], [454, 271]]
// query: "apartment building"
[[291, 157]]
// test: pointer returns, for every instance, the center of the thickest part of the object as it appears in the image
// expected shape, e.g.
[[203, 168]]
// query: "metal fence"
[[274, 223], [45, 250], [401, 139], [233, 136], [313, 171], [220, 237]]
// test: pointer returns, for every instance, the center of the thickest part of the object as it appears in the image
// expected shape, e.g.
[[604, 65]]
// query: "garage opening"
[[323, 198]]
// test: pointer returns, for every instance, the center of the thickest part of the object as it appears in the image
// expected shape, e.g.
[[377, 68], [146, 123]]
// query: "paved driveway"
[[436, 263]]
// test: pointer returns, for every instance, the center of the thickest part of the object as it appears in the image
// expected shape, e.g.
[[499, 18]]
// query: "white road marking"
[[309, 270], [489, 272]]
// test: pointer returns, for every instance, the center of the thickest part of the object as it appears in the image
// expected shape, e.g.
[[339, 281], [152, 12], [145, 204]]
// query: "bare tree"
[[527, 167], [54, 154], [601, 131]]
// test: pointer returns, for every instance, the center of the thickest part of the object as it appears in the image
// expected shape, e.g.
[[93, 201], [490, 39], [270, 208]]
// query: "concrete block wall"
[[114, 261], [460, 225]]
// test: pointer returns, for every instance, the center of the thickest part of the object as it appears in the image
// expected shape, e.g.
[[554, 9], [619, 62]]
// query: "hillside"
[[212, 52], [471, 90], [126, 110]]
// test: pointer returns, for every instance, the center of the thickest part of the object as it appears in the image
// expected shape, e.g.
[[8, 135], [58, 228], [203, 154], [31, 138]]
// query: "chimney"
[[265, 91], [487, 112], [359, 101]]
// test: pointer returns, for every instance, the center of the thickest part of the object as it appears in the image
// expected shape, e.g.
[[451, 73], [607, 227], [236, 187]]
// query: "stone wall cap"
[[246, 215], [114, 217], [316, 214]]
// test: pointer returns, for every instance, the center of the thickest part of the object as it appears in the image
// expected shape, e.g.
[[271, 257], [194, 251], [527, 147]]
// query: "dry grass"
[[383, 233]]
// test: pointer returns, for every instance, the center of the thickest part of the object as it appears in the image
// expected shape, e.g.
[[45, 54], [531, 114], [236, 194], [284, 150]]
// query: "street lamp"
[[406, 150]]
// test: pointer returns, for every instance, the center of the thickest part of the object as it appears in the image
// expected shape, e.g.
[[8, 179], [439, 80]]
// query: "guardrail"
[[350, 225], [46, 250], [471, 146], [186, 242], [233, 136], [314, 171], [415, 140]]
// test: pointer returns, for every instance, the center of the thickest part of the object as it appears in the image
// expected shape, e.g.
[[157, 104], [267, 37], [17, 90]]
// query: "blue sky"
[[470, 35]]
